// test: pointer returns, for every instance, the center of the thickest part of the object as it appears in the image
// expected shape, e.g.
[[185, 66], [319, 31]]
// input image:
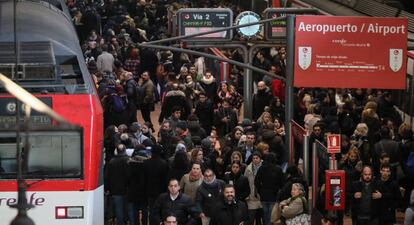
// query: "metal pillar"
[[315, 173], [290, 50], [306, 152]]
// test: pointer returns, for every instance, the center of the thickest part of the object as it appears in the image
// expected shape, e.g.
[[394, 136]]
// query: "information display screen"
[[276, 30], [195, 20]]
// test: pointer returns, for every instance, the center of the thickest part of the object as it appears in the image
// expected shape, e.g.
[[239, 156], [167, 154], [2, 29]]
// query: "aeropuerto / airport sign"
[[350, 52]]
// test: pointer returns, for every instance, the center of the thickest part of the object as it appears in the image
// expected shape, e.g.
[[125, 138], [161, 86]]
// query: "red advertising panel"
[[334, 143], [335, 189], [350, 52]]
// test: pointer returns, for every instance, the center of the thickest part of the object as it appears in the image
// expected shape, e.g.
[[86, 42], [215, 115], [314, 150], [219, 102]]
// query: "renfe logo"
[[32, 201]]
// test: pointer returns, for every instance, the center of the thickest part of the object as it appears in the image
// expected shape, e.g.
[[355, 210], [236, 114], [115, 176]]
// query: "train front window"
[[52, 155]]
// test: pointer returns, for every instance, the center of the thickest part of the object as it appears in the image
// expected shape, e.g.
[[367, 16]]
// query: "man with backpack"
[[130, 88]]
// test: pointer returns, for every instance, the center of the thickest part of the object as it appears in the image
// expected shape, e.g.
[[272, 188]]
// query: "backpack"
[[118, 103], [139, 95], [410, 163]]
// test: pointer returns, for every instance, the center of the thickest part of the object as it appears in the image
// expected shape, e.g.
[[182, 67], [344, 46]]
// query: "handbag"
[[301, 219]]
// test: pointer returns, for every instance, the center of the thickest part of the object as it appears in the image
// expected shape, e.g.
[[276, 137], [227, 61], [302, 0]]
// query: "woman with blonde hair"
[[236, 156], [361, 129], [360, 140], [371, 119], [263, 148]]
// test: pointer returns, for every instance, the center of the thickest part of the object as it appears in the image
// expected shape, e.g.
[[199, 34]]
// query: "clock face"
[[245, 18]]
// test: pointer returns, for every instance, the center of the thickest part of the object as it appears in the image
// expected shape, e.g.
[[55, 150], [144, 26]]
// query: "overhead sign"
[[276, 30], [198, 20], [334, 143], [350, 52]]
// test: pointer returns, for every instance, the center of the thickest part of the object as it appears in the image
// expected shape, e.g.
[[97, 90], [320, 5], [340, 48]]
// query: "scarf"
[[207, 80], [212, 183], [194, 177]]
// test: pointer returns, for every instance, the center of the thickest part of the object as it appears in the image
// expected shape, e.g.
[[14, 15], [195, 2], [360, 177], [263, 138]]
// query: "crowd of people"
[[208, 165]]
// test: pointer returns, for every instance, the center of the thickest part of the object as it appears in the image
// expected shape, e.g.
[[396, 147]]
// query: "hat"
[[246, 123], [180, 147], [182, 125]]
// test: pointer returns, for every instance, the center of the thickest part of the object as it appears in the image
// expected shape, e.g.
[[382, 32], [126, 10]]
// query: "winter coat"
[[240, 183], [391, 195], [269, 180], [210, 89], [225, 127], [276, 145], [116, 175], [136, 186], [190, 187], [205, 114], [182, 207], [295, 206], [253, 201], [230, 214], [156, 170], [148, 91], [357, 203], [260, 100], [171, 99], [207, 197], [196, 130]]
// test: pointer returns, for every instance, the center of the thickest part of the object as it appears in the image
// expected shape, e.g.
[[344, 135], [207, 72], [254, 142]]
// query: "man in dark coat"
[[207, 195], [366, 197], [147, 102], [268, 181], [173, 202], [174, 98], [209, 84], [225, 118], [391, 195], [205, 112], [130, 88], [230, 211], [261, 99], [388, 146], [116, 181], [386, 109], [136, 193], [156, 171]]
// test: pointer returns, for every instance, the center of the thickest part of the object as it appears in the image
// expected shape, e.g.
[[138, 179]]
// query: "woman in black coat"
[[268, 181], [110, 142], [239, 181]]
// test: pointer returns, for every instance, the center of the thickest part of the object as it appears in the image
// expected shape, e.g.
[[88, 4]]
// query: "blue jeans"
[[133, 208], [118, 205], [267, 212]]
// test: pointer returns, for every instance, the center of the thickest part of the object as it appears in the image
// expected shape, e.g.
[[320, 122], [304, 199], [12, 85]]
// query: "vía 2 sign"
[[350, 52]]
